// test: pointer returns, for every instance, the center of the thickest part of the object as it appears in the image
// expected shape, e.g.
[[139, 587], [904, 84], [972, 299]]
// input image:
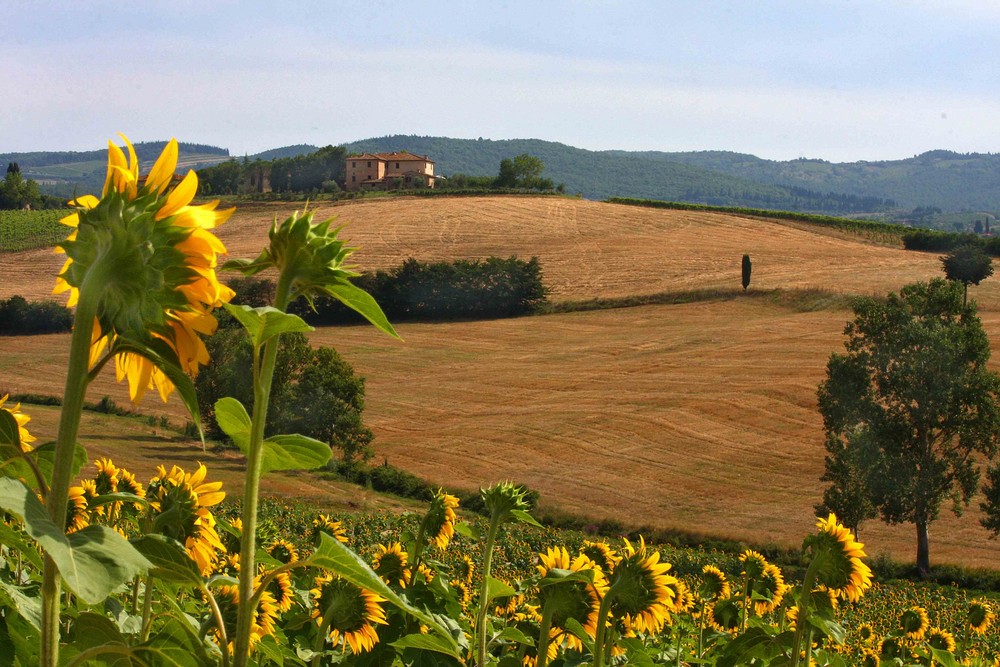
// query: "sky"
[[839, 80]]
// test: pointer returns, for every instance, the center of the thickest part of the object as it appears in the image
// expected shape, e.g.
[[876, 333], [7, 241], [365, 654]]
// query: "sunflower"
[[753, 564], [768, 590], [106, 479], [914, 623], [325, 524], [575, 600], [228, 565], [845, 573], [21, 419], [644, 597], [281, 550], [463, 592], [89, 495], [282, 591], [391, 564], [869, 657], [439, 523], [723, 614], [464, 568], [347, 613], [980, 616], [941, 640], [180, 502], [127, 483], [601, 554], [157, 259], [262, 624], [890, 648], [866, 633], [683, 597], [77, 516], [713, 583]]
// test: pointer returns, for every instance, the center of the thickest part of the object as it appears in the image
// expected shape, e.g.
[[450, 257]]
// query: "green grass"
[[24, 230], [799, 300]]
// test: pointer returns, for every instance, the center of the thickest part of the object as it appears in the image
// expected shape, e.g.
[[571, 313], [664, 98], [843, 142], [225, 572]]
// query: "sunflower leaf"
[[45, 456], [524, 517], [294, 452], [93, 561], [175, 645], [266, 322], [558, 576], [170, 561], [234, 421], [334, 556], [497, 589], [829, 627], [30, 608], [512, 634], [422, 642], [361, 302], [10, 434]]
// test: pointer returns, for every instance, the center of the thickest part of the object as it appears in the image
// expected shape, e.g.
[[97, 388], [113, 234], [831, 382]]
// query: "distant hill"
[[64, 173], [944, 180], [602, 174]]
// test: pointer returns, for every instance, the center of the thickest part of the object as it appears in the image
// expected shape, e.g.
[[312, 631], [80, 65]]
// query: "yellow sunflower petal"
[[162, 173], [179, 197]]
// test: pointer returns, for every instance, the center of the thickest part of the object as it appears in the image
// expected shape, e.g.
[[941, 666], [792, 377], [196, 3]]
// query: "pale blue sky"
[[840, 80]]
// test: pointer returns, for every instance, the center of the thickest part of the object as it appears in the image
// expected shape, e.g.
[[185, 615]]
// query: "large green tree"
[[910, 408]]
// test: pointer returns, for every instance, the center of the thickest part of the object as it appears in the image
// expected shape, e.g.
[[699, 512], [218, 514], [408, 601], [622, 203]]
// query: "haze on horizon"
[[839, 80]]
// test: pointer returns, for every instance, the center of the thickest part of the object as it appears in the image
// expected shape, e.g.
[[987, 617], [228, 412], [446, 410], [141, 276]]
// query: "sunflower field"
[[24, 230], [98, 567]]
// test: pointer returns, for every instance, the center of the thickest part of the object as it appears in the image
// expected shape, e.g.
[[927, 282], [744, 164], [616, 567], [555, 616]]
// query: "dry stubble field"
[[700, 416]]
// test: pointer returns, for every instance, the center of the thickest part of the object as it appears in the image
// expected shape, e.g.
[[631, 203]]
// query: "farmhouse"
[[388, 171]]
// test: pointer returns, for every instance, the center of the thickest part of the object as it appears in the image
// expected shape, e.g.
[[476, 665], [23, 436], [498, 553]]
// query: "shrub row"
[[441, 291], [936, 241], [18, 317]]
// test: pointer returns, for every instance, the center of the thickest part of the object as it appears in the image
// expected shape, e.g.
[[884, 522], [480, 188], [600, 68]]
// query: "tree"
[[747, 268], [523, 171], [16, 192], [968, 263], [910, 407], [313, 392]]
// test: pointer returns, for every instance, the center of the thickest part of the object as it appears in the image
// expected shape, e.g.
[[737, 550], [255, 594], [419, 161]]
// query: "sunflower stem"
[[57, 500], [147, 608], [491, 537], [219, 623], [542, 654], [802, 619], [602, 623], [263, 374]]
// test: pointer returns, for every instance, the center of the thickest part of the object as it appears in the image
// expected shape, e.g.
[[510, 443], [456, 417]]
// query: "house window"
[[369, 164], [397, 165], [353, 178], [353, 165]]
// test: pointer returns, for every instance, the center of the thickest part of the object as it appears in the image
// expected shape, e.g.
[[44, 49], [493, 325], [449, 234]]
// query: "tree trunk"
[[923, 550]]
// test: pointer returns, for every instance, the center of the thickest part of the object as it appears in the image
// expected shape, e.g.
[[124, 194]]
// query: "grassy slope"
[[698, 415]]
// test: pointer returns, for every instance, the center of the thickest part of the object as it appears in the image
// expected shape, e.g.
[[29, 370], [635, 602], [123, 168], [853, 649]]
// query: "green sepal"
[[93, 562], [334, 556], [266, 322], [246, 266], [362, 303]]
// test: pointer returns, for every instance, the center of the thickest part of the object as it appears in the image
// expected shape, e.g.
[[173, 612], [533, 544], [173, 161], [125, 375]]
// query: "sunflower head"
[[180, 503], [330, 526], [146, 260], [391, 563], [282, 591], [980, 616], [891, 648], [713, 583], [77, 516], [723, 614], [464, 568], [347, 613], [439, 522], [914, 623], [866, 633], [753, 564], [601, 554], [643, 591], [227, 597], [940, 639], [768, 590], [503, 498], [283, 551], [106, 479], [577, 600], [839, 558], [15, 411]]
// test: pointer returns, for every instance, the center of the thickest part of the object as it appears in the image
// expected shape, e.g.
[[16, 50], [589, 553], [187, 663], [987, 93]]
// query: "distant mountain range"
[[939, 179]]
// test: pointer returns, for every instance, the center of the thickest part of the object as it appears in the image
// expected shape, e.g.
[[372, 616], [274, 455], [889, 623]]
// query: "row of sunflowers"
[[98, 568]]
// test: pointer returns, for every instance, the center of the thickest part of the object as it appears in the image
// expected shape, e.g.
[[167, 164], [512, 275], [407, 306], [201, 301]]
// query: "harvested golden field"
[[587, 249], [699, 416]]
